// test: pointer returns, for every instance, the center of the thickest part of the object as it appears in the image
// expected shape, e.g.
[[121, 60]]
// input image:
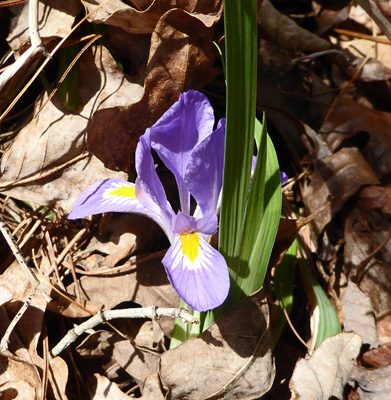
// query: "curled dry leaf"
[[358, 315], [327, 371], [336, 178], [55, 19], [181, 56], [348, 119], [285, 33], [373, 384], [232, 359], [152, 388], [135, 361], [18, 379], [119, 14], [42, 164], [100, 388], [378, 357]]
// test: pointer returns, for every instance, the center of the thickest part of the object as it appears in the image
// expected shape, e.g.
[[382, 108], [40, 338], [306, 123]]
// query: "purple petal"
[[197, 272], [204, 174], [175, 135], [109, 195], [146, 174], [284, 178]]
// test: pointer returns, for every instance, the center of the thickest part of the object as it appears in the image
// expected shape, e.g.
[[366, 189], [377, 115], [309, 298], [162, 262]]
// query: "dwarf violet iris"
[[184, 140]]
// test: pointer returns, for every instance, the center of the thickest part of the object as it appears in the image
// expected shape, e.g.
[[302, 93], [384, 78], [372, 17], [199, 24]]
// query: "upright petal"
[[197, 272], [109, 195], [204, 174], [178, 132]]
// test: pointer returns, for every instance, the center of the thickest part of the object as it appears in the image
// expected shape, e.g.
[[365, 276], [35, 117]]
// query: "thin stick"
[[5, 340], [151, 312]]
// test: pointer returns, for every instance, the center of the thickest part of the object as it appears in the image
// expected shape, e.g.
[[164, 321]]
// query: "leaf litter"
[[324, 84]]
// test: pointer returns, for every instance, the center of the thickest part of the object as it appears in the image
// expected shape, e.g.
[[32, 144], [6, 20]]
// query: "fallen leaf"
[[373, 384], [18, 379], [348, 119], [336, 178], [378, 357], [327, 371], [55, 19], [359, 315], [152, 388], [181, 56], [137, 362], [285, 33], [38, 165], [232, 359], [100, 388]]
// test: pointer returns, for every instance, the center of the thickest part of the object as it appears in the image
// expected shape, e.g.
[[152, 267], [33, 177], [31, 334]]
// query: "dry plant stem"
[[19, 257], [380, 20], [359, 35], [5, 340], [35, 48], [152, 312]]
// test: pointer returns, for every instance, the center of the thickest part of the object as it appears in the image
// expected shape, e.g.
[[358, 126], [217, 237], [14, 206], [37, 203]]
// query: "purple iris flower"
[[184, 140]]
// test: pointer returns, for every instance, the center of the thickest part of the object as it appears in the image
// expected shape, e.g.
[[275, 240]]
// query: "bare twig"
[[35, 48], [380, 20], [151, 312]]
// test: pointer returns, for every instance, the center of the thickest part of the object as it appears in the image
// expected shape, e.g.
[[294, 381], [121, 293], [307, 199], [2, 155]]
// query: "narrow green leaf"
[[328, 319], [241, 53], [68, 92], [283, 282]]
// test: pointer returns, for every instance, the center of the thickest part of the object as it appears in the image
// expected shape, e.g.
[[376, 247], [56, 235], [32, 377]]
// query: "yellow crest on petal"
[[124, 191], [190, 245]]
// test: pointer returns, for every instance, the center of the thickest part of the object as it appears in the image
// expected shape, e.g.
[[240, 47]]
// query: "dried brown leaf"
[[336, 178], [119, 14], [285, 33], [373, 384], [181, 56], [146, 284], [55, 19], [136, 362], [378, 357], [152, 388], [349, 118], [33, 166], [359, 315], [232, 359], [100, 388], [327, 371], [18, 379]]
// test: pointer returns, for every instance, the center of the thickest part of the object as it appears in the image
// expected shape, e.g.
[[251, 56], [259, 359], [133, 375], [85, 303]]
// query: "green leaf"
[[68, 92], [283, 282]]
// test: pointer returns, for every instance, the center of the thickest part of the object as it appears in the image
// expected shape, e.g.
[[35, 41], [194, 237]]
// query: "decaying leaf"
[[378, 357], [39, 165], [181, 57], [373, 384], [336, 178], [284, 32], [100, 388], [359, 315], [18, 379], [231, 360], [327, 371], [55, 19]]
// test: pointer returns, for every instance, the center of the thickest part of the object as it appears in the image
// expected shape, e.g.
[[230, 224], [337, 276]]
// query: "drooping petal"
[[178, 132], [109, 195], [204, 174], [197, 272]]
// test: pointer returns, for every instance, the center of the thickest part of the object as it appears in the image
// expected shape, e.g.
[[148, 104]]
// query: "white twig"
[[151, 312], [36, 284], [35, 48]]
